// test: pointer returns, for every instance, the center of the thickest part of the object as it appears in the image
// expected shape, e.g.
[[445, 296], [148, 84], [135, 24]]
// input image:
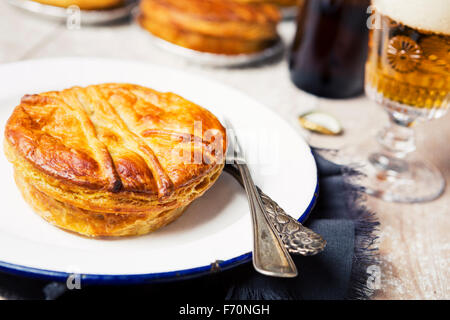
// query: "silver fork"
[[270, 256]]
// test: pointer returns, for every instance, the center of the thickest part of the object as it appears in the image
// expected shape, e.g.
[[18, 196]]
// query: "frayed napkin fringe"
[[366, 257]]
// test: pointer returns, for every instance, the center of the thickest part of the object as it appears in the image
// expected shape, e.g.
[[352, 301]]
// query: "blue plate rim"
[[43, 274]]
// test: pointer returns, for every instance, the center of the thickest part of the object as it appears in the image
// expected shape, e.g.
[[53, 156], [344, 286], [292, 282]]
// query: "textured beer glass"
[[408, 74]]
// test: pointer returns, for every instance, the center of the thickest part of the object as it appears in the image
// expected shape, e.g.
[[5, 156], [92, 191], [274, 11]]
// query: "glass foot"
[[416, 182], [409, 180]]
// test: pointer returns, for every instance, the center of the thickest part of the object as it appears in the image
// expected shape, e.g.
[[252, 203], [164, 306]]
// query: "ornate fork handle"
[[296, 238]]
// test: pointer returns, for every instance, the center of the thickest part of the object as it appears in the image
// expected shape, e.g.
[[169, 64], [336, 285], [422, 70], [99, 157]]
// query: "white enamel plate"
[[216, 227]]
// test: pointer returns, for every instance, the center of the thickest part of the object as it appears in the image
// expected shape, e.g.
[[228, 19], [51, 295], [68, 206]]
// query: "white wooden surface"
[[414, 239]]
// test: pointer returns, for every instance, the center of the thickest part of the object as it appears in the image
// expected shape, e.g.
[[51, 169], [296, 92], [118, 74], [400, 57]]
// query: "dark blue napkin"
[[344, 270]]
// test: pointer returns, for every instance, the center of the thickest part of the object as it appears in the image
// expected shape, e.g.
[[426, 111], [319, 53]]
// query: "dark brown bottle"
[[330, 47]]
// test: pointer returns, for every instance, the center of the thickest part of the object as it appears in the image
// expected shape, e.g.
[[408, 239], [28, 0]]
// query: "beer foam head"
[[426, 15]]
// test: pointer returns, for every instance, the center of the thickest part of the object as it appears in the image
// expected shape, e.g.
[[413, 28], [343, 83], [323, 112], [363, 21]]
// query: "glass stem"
[[397, 141]]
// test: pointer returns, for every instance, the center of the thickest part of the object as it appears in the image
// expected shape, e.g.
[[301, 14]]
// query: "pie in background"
[[214, 26]]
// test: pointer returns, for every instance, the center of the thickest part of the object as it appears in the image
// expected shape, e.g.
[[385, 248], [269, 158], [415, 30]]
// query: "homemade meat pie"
[[83, 4], [113, 159], [216, 26]]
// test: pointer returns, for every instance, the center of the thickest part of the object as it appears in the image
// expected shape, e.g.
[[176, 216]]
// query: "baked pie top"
[[117, 138], [221, 10]]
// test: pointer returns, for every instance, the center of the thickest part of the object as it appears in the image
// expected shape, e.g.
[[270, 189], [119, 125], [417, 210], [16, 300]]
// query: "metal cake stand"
[[219, 60]]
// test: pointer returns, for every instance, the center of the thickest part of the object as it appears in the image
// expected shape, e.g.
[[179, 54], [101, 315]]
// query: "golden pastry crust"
[[218, 26], [83, 4], [92, 223], [214, 18], [200, 42], [115, 148]]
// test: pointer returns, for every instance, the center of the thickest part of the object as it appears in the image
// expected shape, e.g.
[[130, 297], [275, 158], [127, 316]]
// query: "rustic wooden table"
[[414, 239]]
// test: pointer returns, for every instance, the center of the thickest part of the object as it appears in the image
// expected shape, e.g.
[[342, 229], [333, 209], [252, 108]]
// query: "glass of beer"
[[408, 73]]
